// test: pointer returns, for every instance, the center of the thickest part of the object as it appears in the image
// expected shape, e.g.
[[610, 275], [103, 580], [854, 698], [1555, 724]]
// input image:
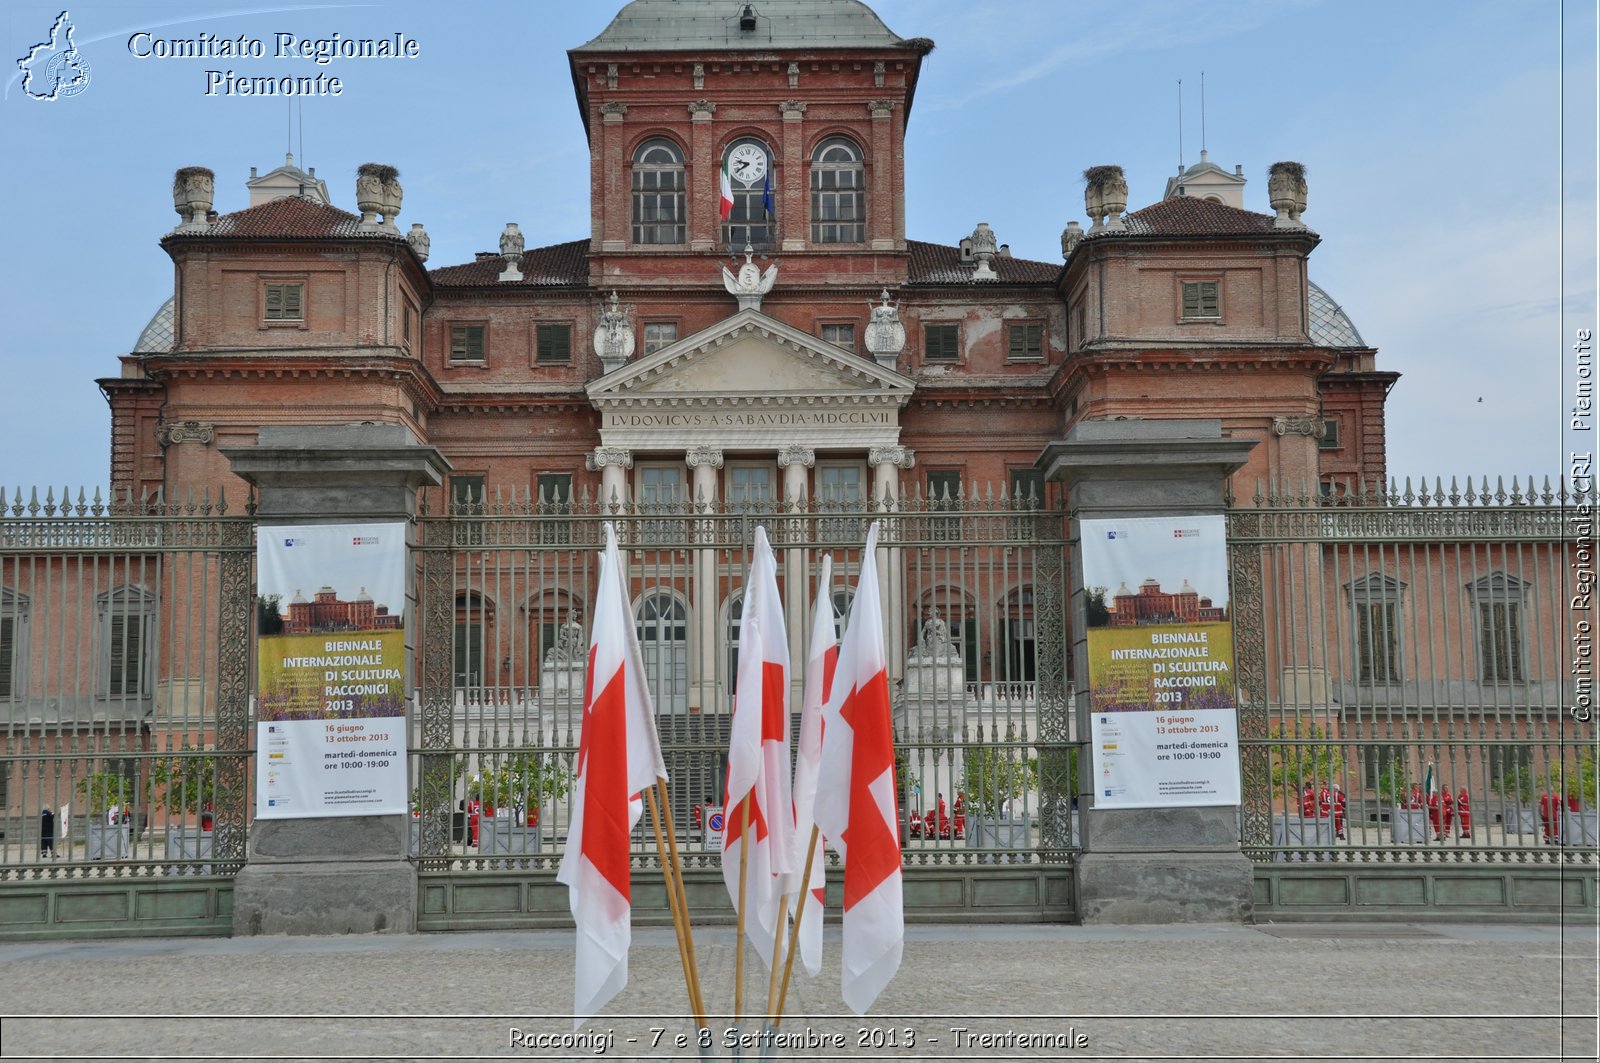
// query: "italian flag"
[[727, 191]]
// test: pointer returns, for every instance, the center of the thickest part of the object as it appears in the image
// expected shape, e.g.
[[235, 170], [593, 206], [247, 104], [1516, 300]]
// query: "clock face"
[[747, 164]]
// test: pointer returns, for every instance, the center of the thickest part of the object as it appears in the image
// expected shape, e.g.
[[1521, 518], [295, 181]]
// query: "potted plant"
[[1408, 816], [1303, 764], [188, 783], [1580, 818], [105, 833], [991, 779], [1515, 786], [517, 791]]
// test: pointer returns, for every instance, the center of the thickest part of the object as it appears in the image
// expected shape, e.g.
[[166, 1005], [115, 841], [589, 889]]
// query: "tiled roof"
[[295, 217], [558, 265], [1190, 216], [940, 264], [678, 25]]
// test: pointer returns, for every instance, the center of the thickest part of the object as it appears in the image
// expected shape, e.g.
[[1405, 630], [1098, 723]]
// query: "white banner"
[[330, 666], [1163, 722]]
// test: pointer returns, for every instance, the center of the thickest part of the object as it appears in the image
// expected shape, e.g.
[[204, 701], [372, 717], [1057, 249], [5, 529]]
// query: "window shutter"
[[291, 300], [274, 300], [8, 649]]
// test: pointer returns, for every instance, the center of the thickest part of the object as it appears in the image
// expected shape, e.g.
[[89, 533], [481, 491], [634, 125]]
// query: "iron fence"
[[1409, 685]]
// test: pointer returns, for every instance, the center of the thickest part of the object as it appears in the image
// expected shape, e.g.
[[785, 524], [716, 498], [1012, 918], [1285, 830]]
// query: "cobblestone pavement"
[[1272, 991]]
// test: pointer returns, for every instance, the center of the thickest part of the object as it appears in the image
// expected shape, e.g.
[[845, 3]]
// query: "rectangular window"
[[469, 654], [555, 500], [8, 656], [941, 343], [1330, 434], [1511, 772], [553, 344], [128, 634], [1500, 641], [661, 491], [1201, 299], [841, 489], [944, 495], [1026, 343], [1378, 641], [1377, 760], [1083, 327], [750, 489], [467, 500], [840, 336], [659, 334], [467, 343], [405, 325], [285, 302]]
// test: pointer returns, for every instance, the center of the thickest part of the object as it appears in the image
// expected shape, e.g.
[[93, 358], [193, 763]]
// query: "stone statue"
[[750, 284], [511, 247], [419, 240], [886, 336], [933, 641], [569, 647], [613, 339]]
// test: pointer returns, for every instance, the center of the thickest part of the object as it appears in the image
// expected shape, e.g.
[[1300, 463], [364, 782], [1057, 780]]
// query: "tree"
[[1301, 757], [188, 780], [268, 621], [1096, 612], [991, 777]]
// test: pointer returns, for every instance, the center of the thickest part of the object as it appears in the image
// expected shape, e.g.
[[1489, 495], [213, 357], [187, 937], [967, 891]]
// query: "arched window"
[[658, 216], [838, 193], [664, 639], [753, 220]]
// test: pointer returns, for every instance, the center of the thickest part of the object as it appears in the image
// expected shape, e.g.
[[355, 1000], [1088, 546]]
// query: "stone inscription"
[[776, 419]]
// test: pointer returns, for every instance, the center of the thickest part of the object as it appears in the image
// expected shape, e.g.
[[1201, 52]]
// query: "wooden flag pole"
[[738, 955], [676, 885], [794, 934], [777, 946], [679, 918]]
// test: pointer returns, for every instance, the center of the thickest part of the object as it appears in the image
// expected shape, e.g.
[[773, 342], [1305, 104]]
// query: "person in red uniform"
[[474, 810], [1550, 816], [1308, 802], [1337, 803], [1464, 813]]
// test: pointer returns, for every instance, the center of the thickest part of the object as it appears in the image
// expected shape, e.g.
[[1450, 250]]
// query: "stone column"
[[333, 874], [1149, 865], [613, 464], [795, 461], [703, 464], [887, 462]]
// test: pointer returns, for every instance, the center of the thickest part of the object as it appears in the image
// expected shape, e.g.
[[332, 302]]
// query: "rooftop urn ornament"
[[1105, 197], [750, 284], [1070, 237], [419, 241], [886, 335], [372, 198], [1286, 191], [511, 245], [392, 195], [192, 190], [984, 248], [613, 340]]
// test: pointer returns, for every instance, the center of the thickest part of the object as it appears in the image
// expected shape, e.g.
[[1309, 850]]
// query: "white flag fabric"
[[619, 756], [822, 657], [855, 804], [758, 756]]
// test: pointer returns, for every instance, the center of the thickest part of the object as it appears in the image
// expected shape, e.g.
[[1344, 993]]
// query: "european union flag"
[[766, 193]]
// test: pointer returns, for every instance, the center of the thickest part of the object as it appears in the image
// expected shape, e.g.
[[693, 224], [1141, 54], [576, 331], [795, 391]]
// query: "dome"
[[694, 25], [1328, 325], [160, 334]]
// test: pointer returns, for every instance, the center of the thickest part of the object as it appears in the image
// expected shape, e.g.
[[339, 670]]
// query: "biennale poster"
[[330, 660], [1161, 681]]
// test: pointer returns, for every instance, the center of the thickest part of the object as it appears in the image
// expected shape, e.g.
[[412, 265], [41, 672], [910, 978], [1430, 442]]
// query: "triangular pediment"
[[750, 378], [749, 355]]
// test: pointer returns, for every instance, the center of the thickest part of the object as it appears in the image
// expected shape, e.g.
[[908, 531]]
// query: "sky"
[[1450, 149]]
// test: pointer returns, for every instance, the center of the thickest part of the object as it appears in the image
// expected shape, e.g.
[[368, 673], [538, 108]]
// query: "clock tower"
[[804, 104]]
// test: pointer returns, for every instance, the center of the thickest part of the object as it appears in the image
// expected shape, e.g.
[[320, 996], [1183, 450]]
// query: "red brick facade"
[[1032, 351]]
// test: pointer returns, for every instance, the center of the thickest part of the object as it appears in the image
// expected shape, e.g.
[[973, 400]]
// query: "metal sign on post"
[[714, 824]]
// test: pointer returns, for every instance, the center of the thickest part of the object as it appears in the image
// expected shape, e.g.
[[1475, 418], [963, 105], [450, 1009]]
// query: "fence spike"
[[1545, 495], [1258, 497], [1500, 490], [33, 502], [1455, 492]]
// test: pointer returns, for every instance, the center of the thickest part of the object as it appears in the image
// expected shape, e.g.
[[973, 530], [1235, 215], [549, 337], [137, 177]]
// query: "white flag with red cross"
[[822, 657], [619, 756], [855, 804], [758, 757]]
